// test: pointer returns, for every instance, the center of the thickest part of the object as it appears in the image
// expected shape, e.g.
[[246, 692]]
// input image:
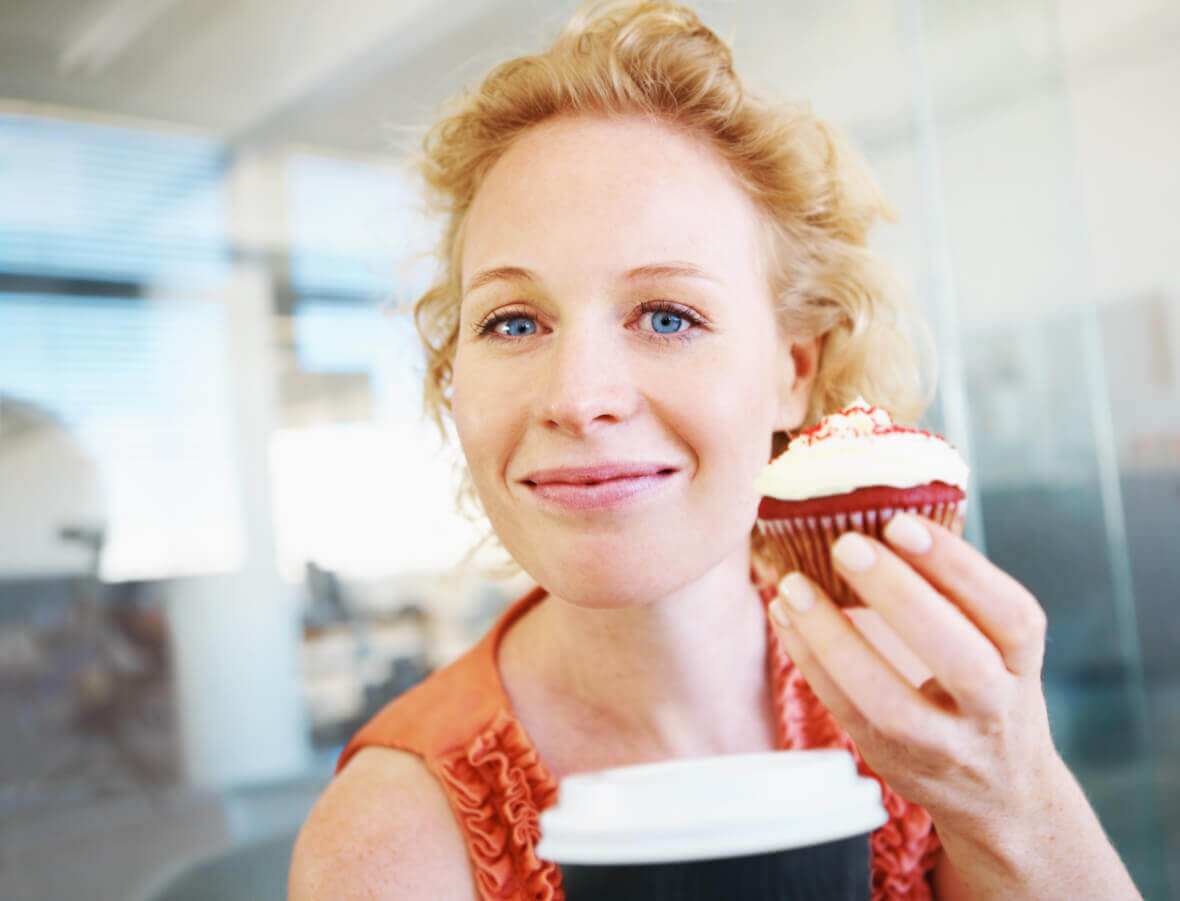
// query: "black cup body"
[[832, 871]]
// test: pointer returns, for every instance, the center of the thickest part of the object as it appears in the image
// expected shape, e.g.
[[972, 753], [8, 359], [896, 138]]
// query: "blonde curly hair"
[[817, 201]]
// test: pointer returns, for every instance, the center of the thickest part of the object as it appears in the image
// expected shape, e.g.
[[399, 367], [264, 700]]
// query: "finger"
[[830, 694], [961, 657], [899, 654], [877, 691], [1003, 609]]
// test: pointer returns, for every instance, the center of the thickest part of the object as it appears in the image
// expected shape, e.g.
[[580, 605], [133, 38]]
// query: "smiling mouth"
[[589, 483], [590, 495]]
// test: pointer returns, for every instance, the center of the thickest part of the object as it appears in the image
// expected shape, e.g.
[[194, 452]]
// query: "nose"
[[588, 383]]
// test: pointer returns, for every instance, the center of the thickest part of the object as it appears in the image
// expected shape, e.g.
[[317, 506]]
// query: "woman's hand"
[[971, 744]]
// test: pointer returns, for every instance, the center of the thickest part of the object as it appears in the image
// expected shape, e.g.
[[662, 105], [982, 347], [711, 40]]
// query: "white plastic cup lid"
[[710, 807]]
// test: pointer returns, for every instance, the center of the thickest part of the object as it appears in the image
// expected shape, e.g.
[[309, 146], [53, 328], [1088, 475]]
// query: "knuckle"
[[1039, 621], [819, 647], [989, 721], [972, 673], [990, 724], [1030, 626], [960, 573]]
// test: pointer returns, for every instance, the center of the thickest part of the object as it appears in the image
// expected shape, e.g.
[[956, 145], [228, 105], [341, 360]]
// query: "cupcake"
[[853, 471]]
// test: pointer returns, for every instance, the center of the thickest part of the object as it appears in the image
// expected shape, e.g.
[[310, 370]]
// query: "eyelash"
[[488, 325]]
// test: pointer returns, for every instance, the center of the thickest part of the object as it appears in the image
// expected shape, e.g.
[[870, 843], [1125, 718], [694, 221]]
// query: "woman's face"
[[616, 311]]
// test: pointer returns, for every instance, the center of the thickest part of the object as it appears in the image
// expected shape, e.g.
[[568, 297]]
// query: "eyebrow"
[[639, 273]]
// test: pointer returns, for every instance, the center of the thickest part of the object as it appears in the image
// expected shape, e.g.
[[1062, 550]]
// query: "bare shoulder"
[[383, 828]]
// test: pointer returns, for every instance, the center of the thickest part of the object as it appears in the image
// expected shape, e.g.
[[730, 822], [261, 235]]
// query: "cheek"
[[738, 390], [468, 409], [725, 413], [488, 412]]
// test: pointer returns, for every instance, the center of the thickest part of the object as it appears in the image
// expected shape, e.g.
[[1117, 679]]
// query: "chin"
[[601, 580]]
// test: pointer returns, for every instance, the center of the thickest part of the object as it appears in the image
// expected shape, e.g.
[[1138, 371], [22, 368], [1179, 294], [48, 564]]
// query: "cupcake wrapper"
[[804, 543]]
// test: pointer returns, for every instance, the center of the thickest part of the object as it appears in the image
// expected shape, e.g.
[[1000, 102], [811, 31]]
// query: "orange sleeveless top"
[[460, 722]]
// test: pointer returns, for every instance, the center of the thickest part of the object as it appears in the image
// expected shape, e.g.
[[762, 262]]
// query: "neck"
[[682, 676]]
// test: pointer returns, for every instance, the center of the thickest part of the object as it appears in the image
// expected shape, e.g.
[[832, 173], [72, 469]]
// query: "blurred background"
[[227, 536]]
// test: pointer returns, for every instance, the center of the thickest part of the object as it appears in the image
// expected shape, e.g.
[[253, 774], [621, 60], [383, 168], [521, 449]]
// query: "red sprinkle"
[[824, 429]]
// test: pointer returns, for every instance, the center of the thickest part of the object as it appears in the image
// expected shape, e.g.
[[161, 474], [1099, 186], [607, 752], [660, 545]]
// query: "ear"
[[799, 363]]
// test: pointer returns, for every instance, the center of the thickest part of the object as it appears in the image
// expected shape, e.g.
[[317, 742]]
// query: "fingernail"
[[797, 590], [853, 553], [779, 614], [907, 533]]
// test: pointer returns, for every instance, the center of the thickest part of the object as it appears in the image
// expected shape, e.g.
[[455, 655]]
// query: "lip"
[[602, 472], [597, 487]]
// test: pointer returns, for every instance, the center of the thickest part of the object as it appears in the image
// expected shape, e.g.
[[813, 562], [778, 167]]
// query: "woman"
[[650, 277]]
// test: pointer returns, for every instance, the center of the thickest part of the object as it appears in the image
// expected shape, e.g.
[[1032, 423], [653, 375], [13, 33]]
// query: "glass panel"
[[141, 389], [244, 421], [102, 202], [1047, 378], [356, 230]]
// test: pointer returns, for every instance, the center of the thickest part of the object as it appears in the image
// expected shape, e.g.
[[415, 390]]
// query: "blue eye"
[[520, 325], [515, 326], [666, 322]]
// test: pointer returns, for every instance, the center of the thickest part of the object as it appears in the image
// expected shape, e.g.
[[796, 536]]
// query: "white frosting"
[[856, 448]]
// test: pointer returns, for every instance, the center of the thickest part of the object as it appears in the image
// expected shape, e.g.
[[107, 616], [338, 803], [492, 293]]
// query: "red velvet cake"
[[852, 472]]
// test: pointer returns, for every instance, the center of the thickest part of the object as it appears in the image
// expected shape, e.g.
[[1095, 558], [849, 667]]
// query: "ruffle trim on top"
[[498, 786], [905, 849]]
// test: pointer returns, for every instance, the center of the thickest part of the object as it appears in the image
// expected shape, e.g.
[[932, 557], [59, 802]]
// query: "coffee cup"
[[777, 825]]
